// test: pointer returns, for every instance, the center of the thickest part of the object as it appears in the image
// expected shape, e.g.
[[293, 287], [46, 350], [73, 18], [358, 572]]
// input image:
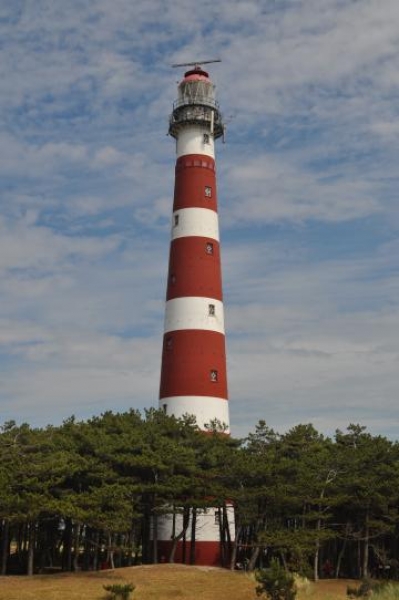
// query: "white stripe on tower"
[[200, 222], [193, 374], [194, 313], [191, 141]]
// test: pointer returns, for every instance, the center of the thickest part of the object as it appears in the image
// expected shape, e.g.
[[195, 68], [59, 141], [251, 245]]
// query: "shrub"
[[366, 589], [276, 582], [119, 591], [389, 591], [362, 591]]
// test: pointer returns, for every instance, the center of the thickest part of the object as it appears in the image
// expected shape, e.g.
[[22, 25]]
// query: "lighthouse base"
[[203, 537], [208, 554]]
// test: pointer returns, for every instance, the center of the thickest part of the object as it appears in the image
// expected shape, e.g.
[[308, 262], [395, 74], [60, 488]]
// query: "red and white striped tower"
[[193, 374]]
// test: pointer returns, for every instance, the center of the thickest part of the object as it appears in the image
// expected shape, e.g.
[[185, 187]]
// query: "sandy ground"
[[155, 582]]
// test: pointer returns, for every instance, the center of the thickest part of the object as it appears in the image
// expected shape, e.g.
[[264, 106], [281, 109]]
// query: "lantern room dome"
[[196, 75]]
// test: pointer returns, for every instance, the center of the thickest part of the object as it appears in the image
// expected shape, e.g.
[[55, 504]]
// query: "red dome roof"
[[196, 75]]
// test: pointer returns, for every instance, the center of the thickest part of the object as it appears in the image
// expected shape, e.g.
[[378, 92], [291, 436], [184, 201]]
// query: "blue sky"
[[308, 195]]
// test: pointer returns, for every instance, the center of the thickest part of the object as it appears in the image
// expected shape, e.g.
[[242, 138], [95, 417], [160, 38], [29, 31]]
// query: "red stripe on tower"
[[193, 374]]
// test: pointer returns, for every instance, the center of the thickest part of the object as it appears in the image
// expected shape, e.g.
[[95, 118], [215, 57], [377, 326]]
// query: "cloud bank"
[[307, 191]]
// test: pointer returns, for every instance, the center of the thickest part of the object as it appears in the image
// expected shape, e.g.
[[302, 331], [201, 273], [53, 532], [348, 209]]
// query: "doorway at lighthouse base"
[[196, 536]]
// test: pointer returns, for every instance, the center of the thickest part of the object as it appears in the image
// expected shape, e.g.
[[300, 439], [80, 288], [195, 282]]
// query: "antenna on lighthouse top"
[[197, 64]]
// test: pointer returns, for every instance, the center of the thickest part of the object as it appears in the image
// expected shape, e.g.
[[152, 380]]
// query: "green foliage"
[[276, 582], [119, 591], [97, 486]]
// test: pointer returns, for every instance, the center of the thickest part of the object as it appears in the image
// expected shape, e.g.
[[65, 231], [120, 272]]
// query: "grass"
[[389, 592], [159, 582]]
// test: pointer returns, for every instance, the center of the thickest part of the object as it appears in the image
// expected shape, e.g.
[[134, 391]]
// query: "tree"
[[276, 582], [369, 490], [311, 468]]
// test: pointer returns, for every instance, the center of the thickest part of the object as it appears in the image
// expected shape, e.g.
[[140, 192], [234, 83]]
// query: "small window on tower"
[[214, 376], [211, 310], [172, 279], [217, 516], [206, 138], [164, 408], [209, 248], [208, 191], [168, 343], [176, 220]]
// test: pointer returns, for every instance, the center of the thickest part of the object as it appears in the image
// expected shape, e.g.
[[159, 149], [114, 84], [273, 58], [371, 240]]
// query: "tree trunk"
[[76, 547], [155, 538], [67, 546], [145, 533], [358, 561], [222, 545], [226, 526], [5, 546], [225, 537], [31, 549], [96, 549], [365, 562], [254, 558], [180, 536], [316, 561], [317, 550], [87, 549], [233, 558], [119, 543], [342, 552], [193, 529], [284, 560], [110, 551]]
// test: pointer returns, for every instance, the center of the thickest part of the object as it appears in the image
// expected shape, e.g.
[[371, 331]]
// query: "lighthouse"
[[193, 372]]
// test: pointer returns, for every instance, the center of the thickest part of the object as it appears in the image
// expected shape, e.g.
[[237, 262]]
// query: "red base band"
[[206, 553]]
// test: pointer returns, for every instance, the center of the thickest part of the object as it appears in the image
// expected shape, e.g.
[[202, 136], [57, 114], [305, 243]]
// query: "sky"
[[308, 205]]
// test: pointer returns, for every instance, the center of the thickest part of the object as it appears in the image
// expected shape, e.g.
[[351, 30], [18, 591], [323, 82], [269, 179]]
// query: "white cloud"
[[271, 188], [87, 186], [24, 244]]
